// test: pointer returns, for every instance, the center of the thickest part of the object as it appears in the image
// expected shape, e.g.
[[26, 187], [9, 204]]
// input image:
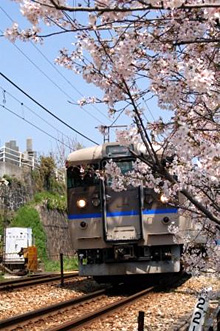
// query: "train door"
[[122, 211]]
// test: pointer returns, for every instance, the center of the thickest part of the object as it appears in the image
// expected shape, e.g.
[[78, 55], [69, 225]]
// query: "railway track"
[[45, 312], [101, 313], [33, 280], [76, 313]]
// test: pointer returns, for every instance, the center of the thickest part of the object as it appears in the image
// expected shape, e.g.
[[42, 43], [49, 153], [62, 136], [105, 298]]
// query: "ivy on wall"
[[49, 191]]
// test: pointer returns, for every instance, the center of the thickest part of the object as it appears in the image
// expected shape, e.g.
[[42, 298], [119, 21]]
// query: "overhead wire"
[[34, 125], [115, 120], [32, 111], [52, 65], [148, 109], [58, 71], [45, 109], [67, 95]]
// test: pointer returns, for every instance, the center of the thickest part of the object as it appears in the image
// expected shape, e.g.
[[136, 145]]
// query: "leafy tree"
[[47, 172], [46, 177]]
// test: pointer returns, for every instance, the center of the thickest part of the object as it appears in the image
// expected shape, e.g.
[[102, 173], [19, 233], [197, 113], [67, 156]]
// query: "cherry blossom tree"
[[137, 50]]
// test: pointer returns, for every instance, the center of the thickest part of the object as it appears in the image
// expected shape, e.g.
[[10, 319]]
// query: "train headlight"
[[81, 203], [163, 198], [96, 202]]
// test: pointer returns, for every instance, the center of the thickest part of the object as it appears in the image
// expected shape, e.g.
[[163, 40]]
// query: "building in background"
[[13, 162]]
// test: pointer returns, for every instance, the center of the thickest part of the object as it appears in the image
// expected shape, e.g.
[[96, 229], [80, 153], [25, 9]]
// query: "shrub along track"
[[76, 313]]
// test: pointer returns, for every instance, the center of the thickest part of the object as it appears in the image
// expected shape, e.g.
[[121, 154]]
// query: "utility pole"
[[105, 129]]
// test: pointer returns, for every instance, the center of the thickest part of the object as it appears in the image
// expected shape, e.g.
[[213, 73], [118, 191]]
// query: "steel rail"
[[82, 321], [77, 323], [88, 318], [38, 313], [24, 278], [19, 283]]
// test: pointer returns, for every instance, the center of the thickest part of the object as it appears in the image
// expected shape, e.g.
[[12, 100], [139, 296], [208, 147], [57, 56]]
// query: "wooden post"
[[141, 321], [61, 270]]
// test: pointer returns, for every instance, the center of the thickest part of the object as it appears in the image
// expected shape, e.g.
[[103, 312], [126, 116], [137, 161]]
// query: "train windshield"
[[125, 165], [81, 175]]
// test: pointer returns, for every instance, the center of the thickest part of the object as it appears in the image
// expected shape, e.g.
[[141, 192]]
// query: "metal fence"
[[18, 158]]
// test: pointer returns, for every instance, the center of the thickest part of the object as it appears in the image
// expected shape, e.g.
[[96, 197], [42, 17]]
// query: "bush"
[[69, 264], [51, 200], [28, 217]]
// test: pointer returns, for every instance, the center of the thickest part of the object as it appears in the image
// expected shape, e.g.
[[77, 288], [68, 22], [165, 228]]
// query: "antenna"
[[105, 129]]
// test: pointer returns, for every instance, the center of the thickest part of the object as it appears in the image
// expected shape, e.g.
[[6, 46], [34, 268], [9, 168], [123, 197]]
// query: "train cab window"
[[73, 177], [124, 164], [79, 176]]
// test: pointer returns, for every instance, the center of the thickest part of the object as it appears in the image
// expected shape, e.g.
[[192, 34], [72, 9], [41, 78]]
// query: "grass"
[[28, 217], [69, 264]]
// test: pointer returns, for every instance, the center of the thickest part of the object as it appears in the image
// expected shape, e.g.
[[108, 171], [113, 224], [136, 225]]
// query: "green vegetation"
[[13, 180], [51, 200], [28, 217], [49, 190], [45, 178], [69, 263]]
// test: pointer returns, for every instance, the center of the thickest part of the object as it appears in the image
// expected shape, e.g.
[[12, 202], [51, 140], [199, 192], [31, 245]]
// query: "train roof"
[[86, 155], [97, 153]]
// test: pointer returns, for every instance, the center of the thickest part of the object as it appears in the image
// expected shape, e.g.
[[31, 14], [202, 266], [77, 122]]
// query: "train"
[[119, 234]]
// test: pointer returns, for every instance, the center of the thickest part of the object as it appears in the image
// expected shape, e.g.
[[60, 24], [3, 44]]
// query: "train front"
[[117, 233]]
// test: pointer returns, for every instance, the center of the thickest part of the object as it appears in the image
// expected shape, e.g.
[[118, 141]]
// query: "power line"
[[148, 109], [35, 126], [115, 120], [52, 65], [48, 61], [48, 111], [23, 105], [55, 84]]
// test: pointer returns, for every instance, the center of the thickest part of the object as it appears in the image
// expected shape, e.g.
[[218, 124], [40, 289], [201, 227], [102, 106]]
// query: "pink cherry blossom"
[[133, 51]]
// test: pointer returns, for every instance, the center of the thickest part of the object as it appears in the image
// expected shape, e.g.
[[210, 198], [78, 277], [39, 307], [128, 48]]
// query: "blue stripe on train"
[[124, 213], [81, 216], [160, 211]]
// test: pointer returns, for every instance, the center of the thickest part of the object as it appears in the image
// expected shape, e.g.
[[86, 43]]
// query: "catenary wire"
[[32, 111], [115, 120], [35, 126], [67, 95], [49, 62], [148, 109], [48, 111], [43, 73]]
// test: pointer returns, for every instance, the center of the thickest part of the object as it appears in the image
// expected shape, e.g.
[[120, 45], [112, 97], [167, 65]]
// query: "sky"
[[31, 68]]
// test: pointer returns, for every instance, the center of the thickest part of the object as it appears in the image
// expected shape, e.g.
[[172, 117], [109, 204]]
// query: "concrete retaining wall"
[[56, 228]]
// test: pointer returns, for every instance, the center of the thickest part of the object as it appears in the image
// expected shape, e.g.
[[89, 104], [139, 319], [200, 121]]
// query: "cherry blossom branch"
[[102, 9], [194, 201]]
